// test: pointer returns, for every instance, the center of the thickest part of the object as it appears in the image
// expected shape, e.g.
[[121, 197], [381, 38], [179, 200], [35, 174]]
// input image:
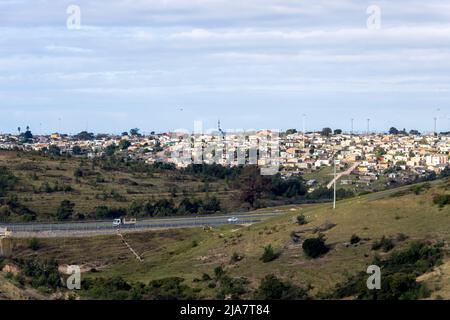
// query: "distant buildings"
[[392, 156]]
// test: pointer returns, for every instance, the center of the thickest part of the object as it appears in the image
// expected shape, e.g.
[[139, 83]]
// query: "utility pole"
[[368, 126], [334, 191], [304, 123], [351, 121], [435, 125]]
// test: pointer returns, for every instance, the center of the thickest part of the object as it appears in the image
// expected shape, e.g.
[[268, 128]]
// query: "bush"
[[398, 280], [441, 200], [384, 243], [42, 274], [78, 173], [355, 239], [65, 210], [236, 257], [206, 277], [7, 181], [233, 287], [34, 244], [301, 220], [271, 288], [269, 254], [219, 272], [315, 247], [418, 189]]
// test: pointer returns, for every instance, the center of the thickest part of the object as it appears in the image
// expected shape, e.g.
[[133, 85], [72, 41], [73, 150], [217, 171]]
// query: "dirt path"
[[341, 174]]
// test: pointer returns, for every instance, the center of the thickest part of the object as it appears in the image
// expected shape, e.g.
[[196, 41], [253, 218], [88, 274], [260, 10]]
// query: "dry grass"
[[172, 253]]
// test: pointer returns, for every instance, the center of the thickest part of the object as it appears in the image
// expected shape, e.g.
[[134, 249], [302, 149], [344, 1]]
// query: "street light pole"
[[334, 193]]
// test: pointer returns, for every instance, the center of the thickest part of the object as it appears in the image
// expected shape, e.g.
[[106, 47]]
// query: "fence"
[[92, 226]]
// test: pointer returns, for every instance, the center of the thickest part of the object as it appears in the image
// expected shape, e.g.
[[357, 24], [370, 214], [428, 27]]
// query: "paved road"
[[178, 222]]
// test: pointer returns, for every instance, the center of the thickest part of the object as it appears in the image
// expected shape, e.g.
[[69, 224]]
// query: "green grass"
[[323, 176], [170, 252]]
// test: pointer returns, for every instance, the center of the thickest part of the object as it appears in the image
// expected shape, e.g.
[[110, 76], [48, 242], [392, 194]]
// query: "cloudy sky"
[[163, 64]]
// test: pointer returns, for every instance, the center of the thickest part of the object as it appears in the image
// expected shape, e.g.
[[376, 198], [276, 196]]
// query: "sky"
[[161, 65]]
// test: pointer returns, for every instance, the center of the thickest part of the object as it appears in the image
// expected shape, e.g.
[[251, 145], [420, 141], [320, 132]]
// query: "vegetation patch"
[[269, 254], [441, 200], [315, 247], [384, 243], [398, 275], [272, 288]]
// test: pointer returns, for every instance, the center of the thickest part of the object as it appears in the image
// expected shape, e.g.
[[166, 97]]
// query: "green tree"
[[135, 132], [393, 130], [27, 136], [54, 150], [84, 135], [291, 131], [110, 150], [65, 210], [76, 150], [124, 144], [326, 132], [211, 204]]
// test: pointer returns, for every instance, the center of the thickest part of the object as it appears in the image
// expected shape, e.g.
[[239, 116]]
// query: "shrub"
[[269, 254], [65, 210], [206, 277], [384, 243], [219, 272], [236, 257], [418, 189], [272, 288], [400, 271], [34, 244], [441, 200], [301, 220], [315, 247], [42, 274], [233, 287], [78, 173], [355, 239], [7, 181]]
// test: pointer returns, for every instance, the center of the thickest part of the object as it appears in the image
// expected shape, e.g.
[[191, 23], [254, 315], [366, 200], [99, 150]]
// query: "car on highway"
[[232, 219]]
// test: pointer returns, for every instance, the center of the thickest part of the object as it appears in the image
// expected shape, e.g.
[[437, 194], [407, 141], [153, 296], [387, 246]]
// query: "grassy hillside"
[[43, 182], [402, 215], [34, 186]]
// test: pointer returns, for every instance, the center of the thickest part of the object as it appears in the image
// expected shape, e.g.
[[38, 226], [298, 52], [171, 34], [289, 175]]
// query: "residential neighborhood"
[[368, 159]]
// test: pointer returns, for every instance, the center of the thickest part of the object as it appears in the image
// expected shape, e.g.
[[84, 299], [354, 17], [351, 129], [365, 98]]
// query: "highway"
[[102, 227]]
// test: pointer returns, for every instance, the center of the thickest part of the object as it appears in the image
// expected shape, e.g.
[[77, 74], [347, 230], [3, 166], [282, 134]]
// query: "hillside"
[[41, 183], [39, 187], [402, 215]]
